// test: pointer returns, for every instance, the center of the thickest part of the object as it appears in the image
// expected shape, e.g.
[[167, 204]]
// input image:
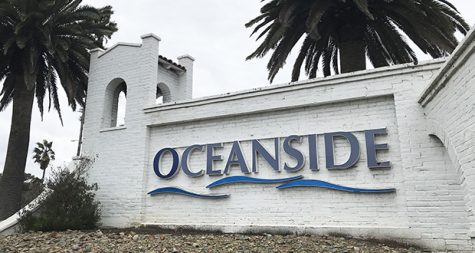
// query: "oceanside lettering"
[[236, 156]]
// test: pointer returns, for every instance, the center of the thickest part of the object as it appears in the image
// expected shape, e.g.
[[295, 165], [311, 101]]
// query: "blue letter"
[[371, 149], [236, 152], [156, 163], [354, 151], [312, 150], [294, 153], [257, 148], [211, 158], [185, 159]]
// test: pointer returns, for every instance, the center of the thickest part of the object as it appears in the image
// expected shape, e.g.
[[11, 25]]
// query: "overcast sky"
[[212, 31]]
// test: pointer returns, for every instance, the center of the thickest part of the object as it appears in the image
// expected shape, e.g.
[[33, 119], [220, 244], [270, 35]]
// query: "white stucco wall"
[[449, 104], [430, 206]]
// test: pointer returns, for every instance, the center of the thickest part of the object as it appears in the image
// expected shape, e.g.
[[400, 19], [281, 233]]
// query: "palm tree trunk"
[[81, 119], [11, 182], [352, 49], [43, 177]]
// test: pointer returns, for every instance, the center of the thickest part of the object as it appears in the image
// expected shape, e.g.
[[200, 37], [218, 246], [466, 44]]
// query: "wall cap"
[[150, 35], [454, 61], [112, 129], [186, 56], [304, 84], [123, 44]]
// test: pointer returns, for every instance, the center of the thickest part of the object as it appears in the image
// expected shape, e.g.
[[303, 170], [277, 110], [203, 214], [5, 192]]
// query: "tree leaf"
[[315, 15], [363, 6]]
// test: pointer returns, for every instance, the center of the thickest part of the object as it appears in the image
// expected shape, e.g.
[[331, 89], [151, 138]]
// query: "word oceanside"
[[236, 156]]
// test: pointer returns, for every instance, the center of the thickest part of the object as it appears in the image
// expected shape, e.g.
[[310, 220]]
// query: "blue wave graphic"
[[323, 184], [244, 179], [175, 190]]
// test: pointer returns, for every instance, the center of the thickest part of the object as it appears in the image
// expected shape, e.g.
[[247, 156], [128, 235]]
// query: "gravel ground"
[[130, 241]]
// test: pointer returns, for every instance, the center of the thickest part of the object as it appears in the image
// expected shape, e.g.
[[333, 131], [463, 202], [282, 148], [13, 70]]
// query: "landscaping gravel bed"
[[137, 241]]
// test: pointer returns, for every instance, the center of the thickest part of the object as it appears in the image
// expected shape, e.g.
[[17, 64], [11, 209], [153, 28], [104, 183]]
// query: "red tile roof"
[[172, 62]]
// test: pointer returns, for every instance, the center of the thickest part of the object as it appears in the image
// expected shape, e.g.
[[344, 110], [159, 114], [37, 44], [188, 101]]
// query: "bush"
[[32, 188], [70, 204]]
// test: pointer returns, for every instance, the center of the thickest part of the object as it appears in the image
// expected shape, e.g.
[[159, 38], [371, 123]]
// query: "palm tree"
[[353, 29], [44, 154], [41, 41]]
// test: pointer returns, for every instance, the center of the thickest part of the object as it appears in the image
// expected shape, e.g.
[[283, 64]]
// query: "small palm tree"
[[341, 33], [43, 46], [44, 154]]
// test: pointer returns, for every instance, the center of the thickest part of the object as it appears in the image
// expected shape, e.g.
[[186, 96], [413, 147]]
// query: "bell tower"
[[123, 80]]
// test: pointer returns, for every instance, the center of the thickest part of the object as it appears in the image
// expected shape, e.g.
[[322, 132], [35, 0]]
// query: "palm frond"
[[383, 27], [43, 40]]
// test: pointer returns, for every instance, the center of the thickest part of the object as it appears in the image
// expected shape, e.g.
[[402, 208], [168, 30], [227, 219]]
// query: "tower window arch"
[[115, 103], [163, 94]]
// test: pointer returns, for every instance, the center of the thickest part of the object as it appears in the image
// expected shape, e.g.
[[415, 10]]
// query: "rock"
[[87, 248], [134, 241]]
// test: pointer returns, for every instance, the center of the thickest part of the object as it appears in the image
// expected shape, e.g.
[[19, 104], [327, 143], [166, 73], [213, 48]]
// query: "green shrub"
[[32, 188], [70, 204]]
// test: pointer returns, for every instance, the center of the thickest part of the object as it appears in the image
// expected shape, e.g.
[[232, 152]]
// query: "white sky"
[[212, 31]]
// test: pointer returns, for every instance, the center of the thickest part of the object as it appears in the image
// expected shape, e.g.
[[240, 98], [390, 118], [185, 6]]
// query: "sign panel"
[[290, 145]]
